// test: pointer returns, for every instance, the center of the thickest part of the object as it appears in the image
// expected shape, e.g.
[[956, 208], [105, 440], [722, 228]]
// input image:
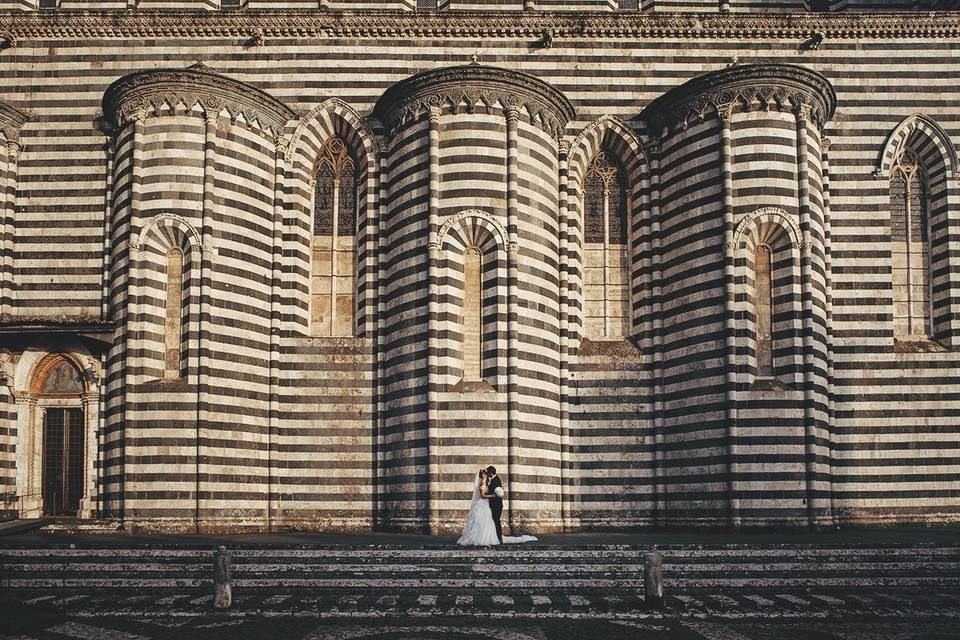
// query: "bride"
[[479, 530]]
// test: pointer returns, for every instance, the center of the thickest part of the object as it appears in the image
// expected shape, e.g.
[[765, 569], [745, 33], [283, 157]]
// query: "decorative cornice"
[[133, 96], [471, 24], [781, 86], [454, 88], [11, 119]]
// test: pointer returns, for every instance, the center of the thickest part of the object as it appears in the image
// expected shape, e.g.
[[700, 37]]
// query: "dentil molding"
[[318, 23]]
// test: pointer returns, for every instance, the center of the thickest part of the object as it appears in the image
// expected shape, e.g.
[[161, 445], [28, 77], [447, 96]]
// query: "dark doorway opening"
[[62, 461]]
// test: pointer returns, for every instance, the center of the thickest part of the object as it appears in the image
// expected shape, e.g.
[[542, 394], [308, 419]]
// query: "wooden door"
[[62, 461]]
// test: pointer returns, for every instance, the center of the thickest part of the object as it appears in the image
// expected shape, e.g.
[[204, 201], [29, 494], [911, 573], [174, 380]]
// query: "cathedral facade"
[[289, 265]]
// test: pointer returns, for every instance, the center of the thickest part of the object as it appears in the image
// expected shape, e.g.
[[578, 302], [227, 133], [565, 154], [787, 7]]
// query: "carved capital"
[[14, 148], [825, 144], [25, 399], [803, 111], [725, 111], [282, 144]]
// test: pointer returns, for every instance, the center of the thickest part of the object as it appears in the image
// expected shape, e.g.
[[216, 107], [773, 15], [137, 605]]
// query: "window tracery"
[[909, 247], [332, 251], [606, 252]]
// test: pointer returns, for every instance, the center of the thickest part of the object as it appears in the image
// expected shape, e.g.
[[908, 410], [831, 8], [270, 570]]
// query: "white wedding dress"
[[479, 530]]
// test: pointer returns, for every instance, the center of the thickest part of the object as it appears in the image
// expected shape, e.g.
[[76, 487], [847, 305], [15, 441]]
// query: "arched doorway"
[[59, 388]]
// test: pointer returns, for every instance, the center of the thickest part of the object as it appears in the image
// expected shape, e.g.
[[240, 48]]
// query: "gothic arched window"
[[173, 315], [909, 248], [606, 291], [332, 250]]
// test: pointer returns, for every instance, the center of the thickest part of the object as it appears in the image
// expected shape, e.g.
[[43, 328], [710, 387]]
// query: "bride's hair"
[[481, 473]]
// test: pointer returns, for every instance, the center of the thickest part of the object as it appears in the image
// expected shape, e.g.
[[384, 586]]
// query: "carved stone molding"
[[181, 24], [451, 89], [133, 96], [766, 215], [488, 220], [741, 87], [11, 119]]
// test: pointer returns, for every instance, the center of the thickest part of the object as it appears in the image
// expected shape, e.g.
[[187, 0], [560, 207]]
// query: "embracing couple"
[[483, 522]]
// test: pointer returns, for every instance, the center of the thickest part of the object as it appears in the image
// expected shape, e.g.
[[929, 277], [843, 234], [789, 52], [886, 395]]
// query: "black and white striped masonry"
[[173, 138]]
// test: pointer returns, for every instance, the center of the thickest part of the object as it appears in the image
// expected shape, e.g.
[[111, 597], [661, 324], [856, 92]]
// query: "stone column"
[[29, 459], [433, 363], [656, 333], [802, 113], [8, 202], [513, 117], [725, 113], [91, 418], [211, 115], [564, 256], [276, 313], [133, 275]]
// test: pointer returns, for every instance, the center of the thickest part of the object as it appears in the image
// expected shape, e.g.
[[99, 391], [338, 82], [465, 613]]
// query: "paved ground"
[[650, 537], [880, 606], [751, 615]]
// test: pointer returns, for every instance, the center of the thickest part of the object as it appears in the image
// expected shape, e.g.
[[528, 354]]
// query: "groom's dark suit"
[[496, 504]]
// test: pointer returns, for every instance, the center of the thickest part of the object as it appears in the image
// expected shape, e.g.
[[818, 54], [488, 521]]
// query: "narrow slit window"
[[472, 312], [173, 316], [763, 297]]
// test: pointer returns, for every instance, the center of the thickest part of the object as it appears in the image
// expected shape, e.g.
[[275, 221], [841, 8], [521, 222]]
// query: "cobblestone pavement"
[[739, 615]]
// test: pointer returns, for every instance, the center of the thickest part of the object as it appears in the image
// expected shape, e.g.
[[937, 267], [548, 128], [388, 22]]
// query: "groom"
[[496, 502]]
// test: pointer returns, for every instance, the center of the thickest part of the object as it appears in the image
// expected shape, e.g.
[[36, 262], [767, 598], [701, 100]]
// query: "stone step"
[[519, 569]]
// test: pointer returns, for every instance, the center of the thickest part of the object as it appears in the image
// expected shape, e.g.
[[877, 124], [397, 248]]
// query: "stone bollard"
[[653, 577], [222, 594]]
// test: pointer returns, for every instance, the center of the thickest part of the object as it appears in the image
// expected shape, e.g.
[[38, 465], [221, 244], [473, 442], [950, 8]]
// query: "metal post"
[[653, 577], [222, 593]]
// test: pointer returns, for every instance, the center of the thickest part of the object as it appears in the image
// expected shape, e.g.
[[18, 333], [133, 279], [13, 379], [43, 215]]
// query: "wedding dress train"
[[479, 530]]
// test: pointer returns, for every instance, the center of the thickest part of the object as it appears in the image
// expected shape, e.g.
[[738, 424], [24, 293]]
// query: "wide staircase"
[[522, 570]]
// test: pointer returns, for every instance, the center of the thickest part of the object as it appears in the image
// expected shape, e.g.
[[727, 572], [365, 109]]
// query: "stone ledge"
[[316, 23]]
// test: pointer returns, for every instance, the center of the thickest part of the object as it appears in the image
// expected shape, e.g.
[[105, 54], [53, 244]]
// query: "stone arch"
[[30, 405], [775, 230], [937, 158], [762, 225], [168, 230], [468, 226], [335, 118], [908, 129], [459, 233], [605, 316], [618, 137], [161, 234]]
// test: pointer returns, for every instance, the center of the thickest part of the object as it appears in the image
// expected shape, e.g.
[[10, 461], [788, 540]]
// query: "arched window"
[[606, 288], [909, 248], [472, 312], [763, 309], [173, 315], [332, 251]]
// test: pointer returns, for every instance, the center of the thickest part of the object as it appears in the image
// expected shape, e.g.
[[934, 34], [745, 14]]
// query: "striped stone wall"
[[267, 426], [683, 6]]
